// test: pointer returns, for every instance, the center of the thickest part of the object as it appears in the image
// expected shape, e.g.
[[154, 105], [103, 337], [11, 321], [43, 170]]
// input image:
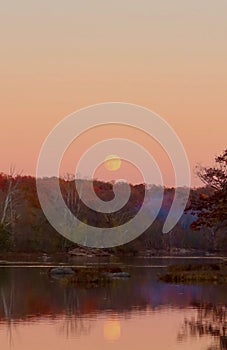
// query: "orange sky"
[[56, 57]]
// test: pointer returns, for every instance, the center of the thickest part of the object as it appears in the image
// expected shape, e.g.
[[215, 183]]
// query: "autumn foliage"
[[211, 205]]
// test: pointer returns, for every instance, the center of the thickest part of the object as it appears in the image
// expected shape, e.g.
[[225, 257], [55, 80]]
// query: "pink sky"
[[57, 57]]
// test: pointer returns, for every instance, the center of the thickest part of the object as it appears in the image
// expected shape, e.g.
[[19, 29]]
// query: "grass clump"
[[196, 273]]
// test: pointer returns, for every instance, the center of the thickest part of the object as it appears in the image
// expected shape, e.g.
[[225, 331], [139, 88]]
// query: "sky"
[[57, 57]]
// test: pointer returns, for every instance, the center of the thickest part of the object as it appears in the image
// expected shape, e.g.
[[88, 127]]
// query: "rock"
[[88, 252], [118, 274], [62, 271], [45, 258]]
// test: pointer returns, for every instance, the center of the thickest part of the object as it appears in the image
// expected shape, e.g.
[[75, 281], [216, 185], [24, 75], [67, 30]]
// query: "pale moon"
[[112, 162]]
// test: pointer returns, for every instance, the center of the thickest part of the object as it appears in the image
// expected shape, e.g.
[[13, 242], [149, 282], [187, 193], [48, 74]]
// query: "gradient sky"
[[56, 57]]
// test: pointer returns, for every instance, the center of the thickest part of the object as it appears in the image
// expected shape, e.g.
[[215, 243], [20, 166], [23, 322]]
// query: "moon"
[[112, 162]]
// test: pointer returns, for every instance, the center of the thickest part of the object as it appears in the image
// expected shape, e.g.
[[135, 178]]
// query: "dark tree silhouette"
[[210, 207]]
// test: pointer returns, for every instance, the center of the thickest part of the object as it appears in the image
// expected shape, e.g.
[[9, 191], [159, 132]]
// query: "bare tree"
[[10, 202], [71, 194]]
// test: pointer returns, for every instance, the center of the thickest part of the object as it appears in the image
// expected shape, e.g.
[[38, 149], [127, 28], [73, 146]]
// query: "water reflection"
[[72, 323], [7, 298], [123, 313], [112, 330], [211, 320]]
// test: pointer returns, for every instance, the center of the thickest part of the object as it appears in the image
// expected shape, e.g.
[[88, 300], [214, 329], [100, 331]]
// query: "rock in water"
[[62, 271], [118, 274]]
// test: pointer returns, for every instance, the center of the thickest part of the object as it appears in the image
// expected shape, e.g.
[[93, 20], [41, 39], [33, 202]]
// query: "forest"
[[202, 227]]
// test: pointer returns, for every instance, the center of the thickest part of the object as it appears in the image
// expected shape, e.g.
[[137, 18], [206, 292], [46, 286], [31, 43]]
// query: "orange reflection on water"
[[112, 330], [156, 330]]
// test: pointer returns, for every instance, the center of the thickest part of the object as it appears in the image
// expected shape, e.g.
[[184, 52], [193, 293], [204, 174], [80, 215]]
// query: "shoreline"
[[64, 259]]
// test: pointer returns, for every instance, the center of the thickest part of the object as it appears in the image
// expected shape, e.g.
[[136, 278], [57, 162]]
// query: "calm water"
[[138, 313]]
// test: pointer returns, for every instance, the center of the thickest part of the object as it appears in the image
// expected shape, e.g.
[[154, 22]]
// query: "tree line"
[[24, 228]]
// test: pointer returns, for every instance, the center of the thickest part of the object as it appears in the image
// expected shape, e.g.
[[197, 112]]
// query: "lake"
[[37, 312]]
